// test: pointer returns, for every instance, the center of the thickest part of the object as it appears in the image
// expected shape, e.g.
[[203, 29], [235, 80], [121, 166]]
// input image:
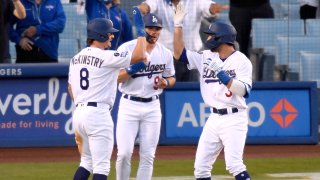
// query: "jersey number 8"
[[84, 81]]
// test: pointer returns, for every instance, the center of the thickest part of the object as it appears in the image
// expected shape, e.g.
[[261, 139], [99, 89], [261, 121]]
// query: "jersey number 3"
[[84, 78]]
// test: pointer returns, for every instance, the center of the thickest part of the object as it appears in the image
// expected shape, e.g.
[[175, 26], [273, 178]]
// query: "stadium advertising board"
[[279, 113], [36, 110]]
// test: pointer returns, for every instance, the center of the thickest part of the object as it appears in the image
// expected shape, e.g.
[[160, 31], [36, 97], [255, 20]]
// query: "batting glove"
[[206, 63], [215, 66], [138, 21], [179, 15]]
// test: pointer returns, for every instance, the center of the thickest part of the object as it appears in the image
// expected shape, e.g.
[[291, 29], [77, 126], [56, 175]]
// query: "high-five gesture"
[[179, 15]]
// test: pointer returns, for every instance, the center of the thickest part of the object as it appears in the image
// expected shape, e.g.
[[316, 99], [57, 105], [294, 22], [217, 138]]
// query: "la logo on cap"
[[154, 19]]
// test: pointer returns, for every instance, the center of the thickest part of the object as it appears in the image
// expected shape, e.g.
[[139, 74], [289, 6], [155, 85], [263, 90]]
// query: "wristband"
[[168, 82], [224, 77], [134, 68]]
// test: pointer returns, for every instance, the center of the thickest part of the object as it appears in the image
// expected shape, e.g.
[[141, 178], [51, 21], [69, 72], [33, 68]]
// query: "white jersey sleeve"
[[204, 7]]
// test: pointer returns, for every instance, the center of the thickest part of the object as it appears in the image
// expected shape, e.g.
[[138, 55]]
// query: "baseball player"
[[92, 85], [225, 82], [197, 10], [139, 109]]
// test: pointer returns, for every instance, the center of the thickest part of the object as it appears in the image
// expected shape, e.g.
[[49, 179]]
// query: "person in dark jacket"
[[8, 9], [110, 9], [37, 36]]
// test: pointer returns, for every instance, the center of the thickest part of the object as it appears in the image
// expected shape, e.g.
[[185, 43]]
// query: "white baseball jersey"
[[160, 64], [214, 93], [93, 74], [196, 10]]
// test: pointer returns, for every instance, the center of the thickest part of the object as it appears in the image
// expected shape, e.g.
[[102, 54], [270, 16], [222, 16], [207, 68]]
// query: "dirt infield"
[[163, 152]]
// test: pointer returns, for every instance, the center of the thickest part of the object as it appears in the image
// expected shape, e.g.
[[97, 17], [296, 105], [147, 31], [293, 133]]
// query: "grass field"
[[258, 168]]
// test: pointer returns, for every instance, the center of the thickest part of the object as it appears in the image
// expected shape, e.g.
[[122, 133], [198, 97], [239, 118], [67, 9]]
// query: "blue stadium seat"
[[224, 17], [313, 27], [264, 31], [67, 49], [73, 20], [309, 68], [288, 48], [290, 11], [83, 34], [277, 6], [12, 51]]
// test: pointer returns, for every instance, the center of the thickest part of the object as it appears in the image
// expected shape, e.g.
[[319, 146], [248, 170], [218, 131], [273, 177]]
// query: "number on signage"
[[84, 81]]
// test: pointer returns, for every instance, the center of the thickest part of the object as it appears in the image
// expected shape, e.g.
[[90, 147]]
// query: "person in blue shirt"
[[37, 36], [110, 9]]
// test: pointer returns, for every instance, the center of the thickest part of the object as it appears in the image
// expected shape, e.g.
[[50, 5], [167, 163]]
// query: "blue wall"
[[36, 110]]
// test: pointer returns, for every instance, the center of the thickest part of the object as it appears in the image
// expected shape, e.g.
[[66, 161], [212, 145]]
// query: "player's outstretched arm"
[[139, 52], [126, 73], [178, 43]]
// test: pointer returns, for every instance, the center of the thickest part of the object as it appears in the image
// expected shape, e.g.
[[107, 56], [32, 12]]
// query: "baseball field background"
[[264, 162]]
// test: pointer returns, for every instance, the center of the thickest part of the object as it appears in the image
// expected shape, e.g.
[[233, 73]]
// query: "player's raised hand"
[[206, 63], [179, 15], [138, 21]]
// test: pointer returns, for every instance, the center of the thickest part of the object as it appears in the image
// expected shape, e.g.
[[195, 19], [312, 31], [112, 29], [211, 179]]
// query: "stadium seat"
[[12, 51], [264, 31], [67, 49], [73, 20], [290, 11], [313, 27], [288, 48], [277, 6], [309, 66]]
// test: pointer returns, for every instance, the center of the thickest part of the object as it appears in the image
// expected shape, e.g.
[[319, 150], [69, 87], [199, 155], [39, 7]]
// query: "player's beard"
[[151, 39]]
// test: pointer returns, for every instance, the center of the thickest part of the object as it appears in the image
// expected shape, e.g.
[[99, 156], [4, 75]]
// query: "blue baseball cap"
[[151, 20]]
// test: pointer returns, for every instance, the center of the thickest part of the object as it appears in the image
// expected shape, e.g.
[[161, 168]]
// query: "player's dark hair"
[[89, 41]]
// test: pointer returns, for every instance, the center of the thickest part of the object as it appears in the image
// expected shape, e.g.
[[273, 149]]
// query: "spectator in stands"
[[241, 14], [197, 9], [37, 36], [110, 9], [308, 9], [7, 10]]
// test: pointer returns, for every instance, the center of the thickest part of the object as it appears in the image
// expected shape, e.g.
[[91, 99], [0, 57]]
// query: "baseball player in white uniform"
[[225, 82], [139, 110], [92, 85], [197, 10]]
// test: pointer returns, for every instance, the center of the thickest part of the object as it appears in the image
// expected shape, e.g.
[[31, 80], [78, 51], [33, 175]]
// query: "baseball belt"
[[224, 111], [140, 99]]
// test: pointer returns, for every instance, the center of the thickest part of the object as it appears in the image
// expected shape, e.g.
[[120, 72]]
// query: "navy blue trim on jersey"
[[248, 90], [183, 57], [228, 56]]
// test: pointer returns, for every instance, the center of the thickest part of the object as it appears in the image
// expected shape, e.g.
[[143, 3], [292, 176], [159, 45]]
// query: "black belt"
[[94, 104], [140, 99], [224, 111]]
